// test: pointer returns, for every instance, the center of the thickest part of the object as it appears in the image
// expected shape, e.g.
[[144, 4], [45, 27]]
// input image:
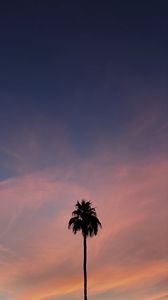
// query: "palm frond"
[[77, 226], [72, 221]]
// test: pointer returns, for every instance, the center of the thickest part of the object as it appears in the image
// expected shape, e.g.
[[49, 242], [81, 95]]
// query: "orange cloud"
[[40, 257]]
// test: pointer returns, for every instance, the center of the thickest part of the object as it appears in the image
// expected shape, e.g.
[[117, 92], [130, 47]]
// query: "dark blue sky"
[[93, 66]]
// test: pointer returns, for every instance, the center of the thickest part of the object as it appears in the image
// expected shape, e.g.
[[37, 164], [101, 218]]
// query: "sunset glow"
[[82, 121]]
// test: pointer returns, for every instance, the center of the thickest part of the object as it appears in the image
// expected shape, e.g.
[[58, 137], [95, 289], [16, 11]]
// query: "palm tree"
[[84, 219]]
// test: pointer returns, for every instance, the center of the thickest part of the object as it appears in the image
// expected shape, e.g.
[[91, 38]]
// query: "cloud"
[[44, 258]]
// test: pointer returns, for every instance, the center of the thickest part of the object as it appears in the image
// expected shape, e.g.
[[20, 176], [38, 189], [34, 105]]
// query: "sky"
[[83, 115]]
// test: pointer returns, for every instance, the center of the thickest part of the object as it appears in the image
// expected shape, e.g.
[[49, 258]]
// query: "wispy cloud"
[[131, 201]]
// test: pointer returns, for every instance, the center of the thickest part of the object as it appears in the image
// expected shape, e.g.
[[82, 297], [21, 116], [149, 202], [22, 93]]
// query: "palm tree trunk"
[[84, 267]]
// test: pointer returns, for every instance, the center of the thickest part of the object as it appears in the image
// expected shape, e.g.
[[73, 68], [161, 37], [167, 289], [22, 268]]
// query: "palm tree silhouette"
[[84, 219]]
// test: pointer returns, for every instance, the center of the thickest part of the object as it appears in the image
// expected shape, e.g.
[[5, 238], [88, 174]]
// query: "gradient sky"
[[83, 114]]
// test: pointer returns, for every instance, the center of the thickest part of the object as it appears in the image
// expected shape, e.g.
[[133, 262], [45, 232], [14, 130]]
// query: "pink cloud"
[[131, 201]]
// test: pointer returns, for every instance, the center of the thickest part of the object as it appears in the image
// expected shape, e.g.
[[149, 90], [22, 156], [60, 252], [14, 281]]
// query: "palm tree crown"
[[84, 219]]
